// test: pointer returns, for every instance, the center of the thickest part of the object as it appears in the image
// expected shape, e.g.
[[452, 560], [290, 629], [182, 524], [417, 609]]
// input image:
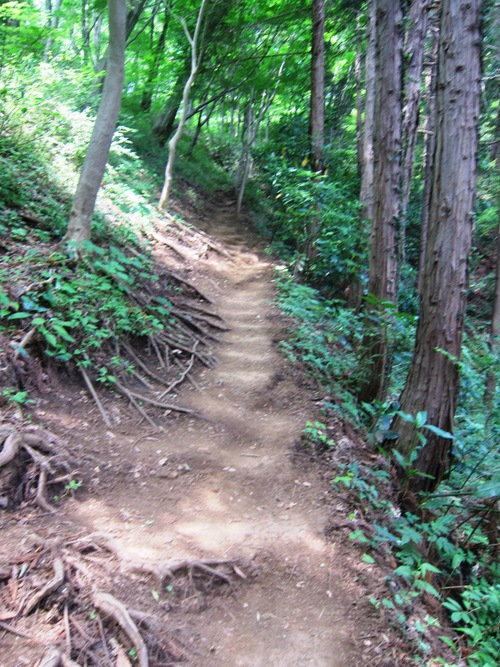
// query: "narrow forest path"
[[227, 485]]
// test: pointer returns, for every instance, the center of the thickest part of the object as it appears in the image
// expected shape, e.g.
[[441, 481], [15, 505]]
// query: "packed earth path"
[[229, 484]]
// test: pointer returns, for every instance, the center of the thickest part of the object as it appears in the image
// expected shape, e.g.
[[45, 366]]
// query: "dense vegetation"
[[237, 75]]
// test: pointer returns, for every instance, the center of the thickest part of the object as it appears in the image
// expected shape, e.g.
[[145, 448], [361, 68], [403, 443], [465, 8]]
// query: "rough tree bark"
[[383, 271], [429, 143], [433, 380], [413, 55], [80, 219]]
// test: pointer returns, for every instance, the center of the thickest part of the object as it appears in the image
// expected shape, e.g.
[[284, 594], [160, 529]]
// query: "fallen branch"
[[51, 586], [109, 605], [200, 309], [205, 360], [200, 234]]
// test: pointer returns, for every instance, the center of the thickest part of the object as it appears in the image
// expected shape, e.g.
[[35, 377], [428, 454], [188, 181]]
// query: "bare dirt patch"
[[209, 531]]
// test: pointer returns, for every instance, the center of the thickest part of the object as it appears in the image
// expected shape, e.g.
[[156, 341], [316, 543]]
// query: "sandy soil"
[[228, 485]]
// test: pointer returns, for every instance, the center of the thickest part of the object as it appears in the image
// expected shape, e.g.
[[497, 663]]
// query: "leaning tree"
[[96, 158]]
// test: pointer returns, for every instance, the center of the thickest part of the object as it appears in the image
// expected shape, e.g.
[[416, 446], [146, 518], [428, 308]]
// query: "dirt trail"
[[226, 486]]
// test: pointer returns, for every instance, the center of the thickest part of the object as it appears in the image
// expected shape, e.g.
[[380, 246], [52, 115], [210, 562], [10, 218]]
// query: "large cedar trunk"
[[386, 198], [80, 219], [433, 381]]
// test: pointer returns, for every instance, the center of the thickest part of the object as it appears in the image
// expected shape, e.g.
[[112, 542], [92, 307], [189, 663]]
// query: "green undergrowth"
[[79, 311], [53, 308], [446, 551]]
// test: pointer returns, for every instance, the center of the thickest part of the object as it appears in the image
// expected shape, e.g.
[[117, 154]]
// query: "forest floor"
[[213, 531]]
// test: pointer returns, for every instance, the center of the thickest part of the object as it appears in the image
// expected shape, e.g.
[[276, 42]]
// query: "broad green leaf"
[[421, 419], [426, 587], [438, 431], [488, 489], [63, 333], [404, 571]]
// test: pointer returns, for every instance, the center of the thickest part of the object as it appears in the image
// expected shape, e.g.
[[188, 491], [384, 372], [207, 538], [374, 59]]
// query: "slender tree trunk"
[[316, 120], [383, 275], [172, 146], [414, 58], [358, 71], [203, 119], [317, 108], [147, 93], [366, 191], [52, 9], [433, 380], [94, 165], [252, 122]]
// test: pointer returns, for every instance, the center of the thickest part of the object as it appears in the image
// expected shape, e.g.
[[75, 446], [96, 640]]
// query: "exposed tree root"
[[180, 379], [10, 447], [50, 587], [196, 234], [161, 570], [29, 461], [189, 330], [109, 605], [78, 583], [94, 395], [196, 290]]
